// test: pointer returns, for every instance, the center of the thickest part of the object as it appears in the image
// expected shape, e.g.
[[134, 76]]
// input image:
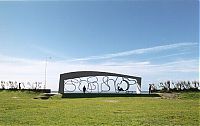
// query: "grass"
[[190, 95], [19, 108]]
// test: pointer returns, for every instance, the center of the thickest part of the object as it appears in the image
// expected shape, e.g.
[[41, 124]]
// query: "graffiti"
[[99, 84]]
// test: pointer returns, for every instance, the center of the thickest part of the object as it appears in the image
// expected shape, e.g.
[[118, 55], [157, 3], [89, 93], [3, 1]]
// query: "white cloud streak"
[[20, 69], [138, 51], [15, 60], [180, 69], [48, 52]]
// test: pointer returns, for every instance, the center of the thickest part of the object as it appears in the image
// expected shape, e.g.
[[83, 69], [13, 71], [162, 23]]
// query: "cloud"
[[34, 71], [21, 69], [170, 55], [190, 65], [48, 52], [138, 51], [15, 60]]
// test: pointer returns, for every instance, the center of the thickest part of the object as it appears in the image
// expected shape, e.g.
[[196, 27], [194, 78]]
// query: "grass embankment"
[[19, 108]]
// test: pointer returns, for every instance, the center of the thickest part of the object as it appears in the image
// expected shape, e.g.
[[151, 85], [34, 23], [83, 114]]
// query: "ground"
[[20, 108]]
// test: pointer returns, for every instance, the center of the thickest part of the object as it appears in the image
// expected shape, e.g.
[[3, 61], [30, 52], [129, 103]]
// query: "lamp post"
[[45, 76]]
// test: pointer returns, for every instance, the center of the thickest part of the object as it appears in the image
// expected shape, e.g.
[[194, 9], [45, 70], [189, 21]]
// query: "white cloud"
[[138, 51], [9, 59], [20, 69], [48, 52], [149, 72]]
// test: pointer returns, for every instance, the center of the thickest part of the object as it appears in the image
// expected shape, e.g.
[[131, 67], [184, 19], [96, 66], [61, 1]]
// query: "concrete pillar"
[[138, 85], [138, 88], [61, 85]]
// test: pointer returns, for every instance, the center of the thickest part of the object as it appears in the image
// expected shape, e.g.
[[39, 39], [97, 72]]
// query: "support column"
[[61, 85], [138, 86]]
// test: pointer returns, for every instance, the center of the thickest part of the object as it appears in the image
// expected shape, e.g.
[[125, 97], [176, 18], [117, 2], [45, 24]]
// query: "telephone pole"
[[45, 75]]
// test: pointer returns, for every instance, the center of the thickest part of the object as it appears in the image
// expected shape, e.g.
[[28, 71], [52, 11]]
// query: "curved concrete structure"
[[79, 74]]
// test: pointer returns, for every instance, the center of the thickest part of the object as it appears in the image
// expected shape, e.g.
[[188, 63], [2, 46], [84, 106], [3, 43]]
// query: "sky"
[[156, 40]]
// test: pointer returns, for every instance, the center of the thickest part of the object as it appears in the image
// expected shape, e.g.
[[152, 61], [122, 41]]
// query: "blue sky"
[[101, 35]]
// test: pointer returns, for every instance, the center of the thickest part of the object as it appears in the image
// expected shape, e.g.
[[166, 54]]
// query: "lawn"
[[19, 108]]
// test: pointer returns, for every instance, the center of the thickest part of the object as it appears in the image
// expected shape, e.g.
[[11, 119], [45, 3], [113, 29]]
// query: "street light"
[[45, 76]]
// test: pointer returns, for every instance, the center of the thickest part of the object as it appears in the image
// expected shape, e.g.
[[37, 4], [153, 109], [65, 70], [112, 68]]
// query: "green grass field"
[[19, 108]]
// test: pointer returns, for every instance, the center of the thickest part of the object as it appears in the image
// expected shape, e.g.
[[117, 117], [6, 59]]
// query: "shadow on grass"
[[25, 90], [95, 95]]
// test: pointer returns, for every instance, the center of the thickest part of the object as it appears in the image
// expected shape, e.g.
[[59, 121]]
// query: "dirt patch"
[[15, 97], [111, 101], [169, 95]]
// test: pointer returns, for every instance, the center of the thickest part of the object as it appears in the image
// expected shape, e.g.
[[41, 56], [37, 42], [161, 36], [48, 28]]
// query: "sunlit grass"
[[19, 108]]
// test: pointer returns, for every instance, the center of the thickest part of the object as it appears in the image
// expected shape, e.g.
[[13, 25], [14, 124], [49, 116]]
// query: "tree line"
[[170, 86], [20, 85]]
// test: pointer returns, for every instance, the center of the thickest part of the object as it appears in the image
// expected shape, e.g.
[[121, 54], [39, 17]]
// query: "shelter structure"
[[98, 82]]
